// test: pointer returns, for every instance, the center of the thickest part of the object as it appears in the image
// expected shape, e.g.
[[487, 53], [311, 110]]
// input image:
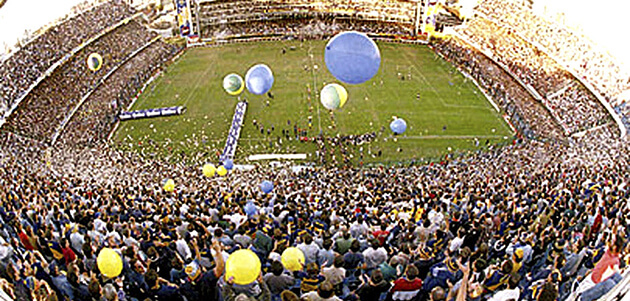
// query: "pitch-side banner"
[[151, 113]]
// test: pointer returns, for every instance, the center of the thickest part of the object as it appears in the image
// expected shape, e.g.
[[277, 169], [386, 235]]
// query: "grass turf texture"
[[446, 98]]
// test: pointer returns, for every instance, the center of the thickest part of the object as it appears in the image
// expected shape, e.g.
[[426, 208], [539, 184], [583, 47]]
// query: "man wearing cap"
[[199, 285]]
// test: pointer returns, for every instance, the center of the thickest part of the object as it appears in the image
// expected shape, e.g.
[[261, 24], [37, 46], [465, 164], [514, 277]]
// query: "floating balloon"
[[94, 61], [233, 84], [244, 266], [398, 126], [293, 259], [250, 209], [209, 170], [229, 164], [333, 96], [266, 186], [109, 263], [259, 79], [352, 57], [222, 171], [169, 185]]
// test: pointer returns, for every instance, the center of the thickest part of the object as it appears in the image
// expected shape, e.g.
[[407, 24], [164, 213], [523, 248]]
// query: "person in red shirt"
[[68, 254], [606, 274], [24, 239], [381, 234], [406, 288]]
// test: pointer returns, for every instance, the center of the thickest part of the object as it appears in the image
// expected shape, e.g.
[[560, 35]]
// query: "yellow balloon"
[[293, 259], [244, 266], [94, 61], [209, 170], [333, 96], [343, 95], [222, 171], [109, 263], [169, 186]]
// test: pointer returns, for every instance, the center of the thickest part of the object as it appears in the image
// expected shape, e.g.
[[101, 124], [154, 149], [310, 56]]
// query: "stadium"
[[310, 150]]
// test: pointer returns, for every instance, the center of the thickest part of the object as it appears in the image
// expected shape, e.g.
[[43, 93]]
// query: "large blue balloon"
[[228, 164], [352, 57], [398, 126], [259, 79], [266, 186]]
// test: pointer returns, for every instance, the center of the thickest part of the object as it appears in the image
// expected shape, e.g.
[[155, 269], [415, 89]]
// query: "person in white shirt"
[[374, 255], [309, 248], [359, 228], [512, 292], [183, 249], [456, 243]]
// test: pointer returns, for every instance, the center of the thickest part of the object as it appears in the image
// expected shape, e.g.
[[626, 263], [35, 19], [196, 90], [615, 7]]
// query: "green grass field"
[[446, 98]]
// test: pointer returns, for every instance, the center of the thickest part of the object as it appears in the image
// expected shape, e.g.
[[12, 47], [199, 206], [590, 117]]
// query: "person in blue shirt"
[[200, 285], [160, 289]]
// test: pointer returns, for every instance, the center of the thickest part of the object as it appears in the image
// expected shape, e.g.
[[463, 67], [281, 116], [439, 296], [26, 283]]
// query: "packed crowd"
[[577, 109], [485, 226], [96, 118], [575, 50], [502, 88], [21, 70], [43, 110]]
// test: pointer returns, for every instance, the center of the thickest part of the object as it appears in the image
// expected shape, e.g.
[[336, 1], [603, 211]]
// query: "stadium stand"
[[525, 113], [542, 218], [575, 107], [45, 108], [573, 51], [24, 67], [388, 17]]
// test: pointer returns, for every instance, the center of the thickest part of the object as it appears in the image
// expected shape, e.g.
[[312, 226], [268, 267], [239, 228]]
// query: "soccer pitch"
[[444, 111]]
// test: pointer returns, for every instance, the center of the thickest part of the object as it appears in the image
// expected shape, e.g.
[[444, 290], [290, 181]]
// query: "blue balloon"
[[352, 57], [250, 209], [398, 126], [228, 164], [266, 186], [259, 79]]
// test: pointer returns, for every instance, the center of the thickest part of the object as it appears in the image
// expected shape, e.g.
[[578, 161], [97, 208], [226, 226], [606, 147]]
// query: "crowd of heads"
[[530, 218]]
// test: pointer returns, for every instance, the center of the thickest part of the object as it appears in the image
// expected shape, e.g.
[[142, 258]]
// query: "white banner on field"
[[277, 156]]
